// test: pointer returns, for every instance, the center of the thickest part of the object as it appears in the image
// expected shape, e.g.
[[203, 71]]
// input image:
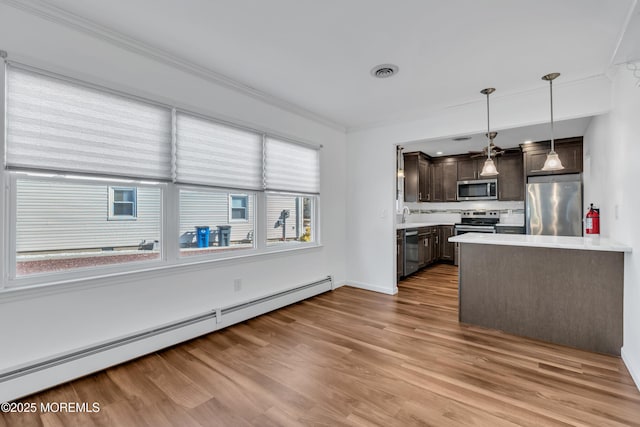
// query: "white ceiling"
[[318, 54], [507, 138]]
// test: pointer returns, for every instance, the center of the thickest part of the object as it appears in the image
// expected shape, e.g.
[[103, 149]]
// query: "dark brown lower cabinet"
[[427, 245], [433, 243], [433, 246], [423, 247], [400, 253], [446, 249]]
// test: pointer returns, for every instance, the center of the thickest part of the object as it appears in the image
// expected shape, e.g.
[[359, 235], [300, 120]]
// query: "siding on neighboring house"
[[275, 206], [202, 208], [68, 215]]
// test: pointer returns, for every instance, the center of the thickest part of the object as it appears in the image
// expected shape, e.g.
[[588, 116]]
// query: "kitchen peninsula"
[[565, 290]]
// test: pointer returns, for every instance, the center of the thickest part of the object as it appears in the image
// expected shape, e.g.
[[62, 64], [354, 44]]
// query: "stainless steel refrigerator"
[[554, 205]]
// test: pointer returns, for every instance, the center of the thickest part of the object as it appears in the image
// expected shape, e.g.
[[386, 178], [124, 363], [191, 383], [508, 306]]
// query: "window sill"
[[26, 288]]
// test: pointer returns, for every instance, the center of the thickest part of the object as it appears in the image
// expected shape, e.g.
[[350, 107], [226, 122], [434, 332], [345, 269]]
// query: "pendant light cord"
[[488, 130], [551, 98]]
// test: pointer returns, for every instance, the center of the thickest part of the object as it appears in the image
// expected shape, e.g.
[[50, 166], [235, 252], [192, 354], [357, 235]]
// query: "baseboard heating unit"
[[42, 374]]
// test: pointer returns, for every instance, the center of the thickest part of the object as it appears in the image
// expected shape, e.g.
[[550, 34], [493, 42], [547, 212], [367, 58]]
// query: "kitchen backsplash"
[[511, 213]]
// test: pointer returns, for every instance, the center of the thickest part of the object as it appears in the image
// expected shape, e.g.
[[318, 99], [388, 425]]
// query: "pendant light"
[[553, 162], [489, 168], [399, 162]]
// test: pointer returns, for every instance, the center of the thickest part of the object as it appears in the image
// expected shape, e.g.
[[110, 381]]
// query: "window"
[[238, 205], [205, 226], [52, 236], [291, 167], [217, 155], [290, 219], [68, 149], [53, 124], [122, 203]]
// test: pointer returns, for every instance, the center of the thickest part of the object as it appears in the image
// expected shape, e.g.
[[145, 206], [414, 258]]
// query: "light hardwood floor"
[[353, 357]]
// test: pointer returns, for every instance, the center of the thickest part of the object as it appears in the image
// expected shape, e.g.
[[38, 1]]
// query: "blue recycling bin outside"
[[224, 235], [203, 236]]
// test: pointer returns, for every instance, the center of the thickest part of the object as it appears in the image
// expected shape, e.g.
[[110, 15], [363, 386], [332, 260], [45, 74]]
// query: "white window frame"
[[112, 215], [56, 277], [315, 223], [170, 257], [231, 208], [257, 246]]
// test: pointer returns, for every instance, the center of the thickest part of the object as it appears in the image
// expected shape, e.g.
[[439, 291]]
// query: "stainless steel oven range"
[[475, 222]]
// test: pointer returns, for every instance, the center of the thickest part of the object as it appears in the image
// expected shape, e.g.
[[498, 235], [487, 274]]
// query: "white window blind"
[[210, 153], [291, 167], [54, 124]]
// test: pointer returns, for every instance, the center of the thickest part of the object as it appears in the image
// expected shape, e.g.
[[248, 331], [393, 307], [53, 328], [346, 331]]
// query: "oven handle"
[[476, 229]]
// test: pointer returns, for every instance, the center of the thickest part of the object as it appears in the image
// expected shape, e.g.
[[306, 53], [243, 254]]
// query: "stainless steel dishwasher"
[[410, 252]]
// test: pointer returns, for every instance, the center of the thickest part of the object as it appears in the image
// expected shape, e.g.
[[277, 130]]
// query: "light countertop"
[[557, 242], [407, 225]]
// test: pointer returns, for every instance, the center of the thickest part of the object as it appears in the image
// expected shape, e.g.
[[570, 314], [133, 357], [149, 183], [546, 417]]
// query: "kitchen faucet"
[[405, 211]]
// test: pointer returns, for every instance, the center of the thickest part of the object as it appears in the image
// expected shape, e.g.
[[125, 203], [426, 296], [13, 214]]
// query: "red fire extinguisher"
[[593, 221]]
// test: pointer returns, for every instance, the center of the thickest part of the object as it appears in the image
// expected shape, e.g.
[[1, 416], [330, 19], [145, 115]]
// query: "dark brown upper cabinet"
[[444, 177], [417, 177], [569, 151], [510, 176], [469, 168]]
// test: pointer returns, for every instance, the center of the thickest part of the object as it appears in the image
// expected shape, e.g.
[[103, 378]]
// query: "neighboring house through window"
[[238, 207], [122, 202], [231, 179]]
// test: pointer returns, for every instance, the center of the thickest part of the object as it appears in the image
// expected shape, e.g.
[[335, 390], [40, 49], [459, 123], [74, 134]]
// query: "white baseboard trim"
[[633, 366], [40, 375], [47, 378], [373, 288], [231, 318], [339, 285]]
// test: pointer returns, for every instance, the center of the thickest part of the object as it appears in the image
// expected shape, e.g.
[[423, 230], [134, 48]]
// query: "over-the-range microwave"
[[478, 189]]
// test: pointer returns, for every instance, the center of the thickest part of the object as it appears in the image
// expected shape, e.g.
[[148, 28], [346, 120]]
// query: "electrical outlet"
[[237, 285]]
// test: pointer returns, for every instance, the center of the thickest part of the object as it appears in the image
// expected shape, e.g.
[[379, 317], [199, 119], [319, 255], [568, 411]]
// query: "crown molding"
[[68, 19], [627, 49]]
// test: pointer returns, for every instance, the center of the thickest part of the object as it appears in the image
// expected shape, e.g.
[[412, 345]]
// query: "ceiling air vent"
[[383, 71], [461, 138]]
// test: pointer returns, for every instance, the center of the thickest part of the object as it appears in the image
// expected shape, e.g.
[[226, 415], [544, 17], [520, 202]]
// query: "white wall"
[[371, 216], [45, 323], [611, 158], [371, 173]]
